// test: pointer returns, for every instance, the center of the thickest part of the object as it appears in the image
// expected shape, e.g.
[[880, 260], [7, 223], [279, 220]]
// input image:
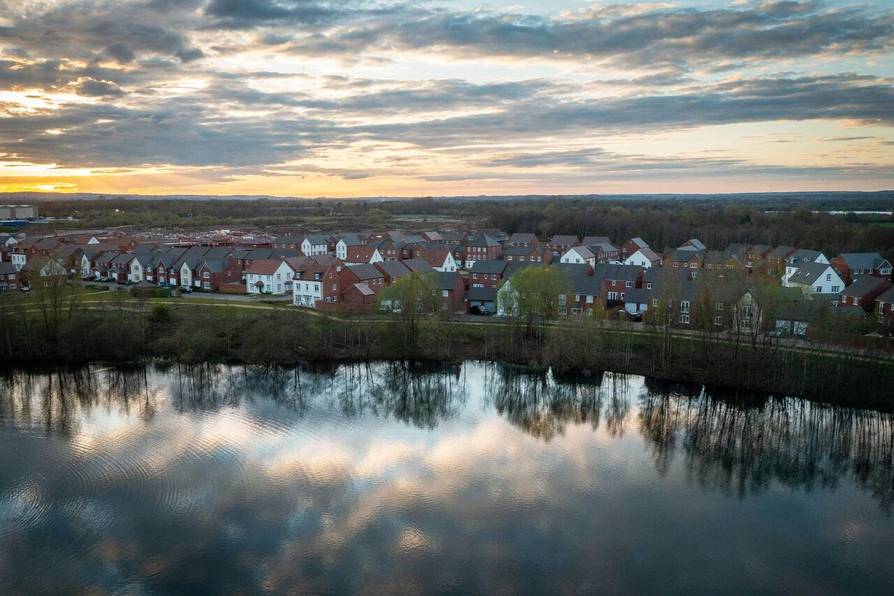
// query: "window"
[[835, 289], [828, 277], [562, 299], [628, 284], [718, 306], [684, 307], [718, 320], [649, 285], [654, 302], [819, 289], [684, 319]]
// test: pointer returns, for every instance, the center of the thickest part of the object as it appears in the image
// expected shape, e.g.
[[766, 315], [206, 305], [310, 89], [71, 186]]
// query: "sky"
[[414, 98]]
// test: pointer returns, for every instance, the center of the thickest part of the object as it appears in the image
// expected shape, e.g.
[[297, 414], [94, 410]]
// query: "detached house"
[[819, 280], [579, 255], [346, 241], [800, 257], [439, 257], [269, 276], [645, 258], [358, 284], [854, 265]]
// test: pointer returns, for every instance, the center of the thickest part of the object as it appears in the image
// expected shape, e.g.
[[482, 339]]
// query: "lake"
[[472, 478]]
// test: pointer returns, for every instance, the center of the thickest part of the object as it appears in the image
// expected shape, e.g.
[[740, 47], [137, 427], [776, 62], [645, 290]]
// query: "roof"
[[573, 269], [583, 251], [593, 240], [522, 237], [488, 267], [649, 254], [637, 296], [685, 255], [418, 265], [808, 272], [862, 260], [564, 240], [364, 271], [887, 296], [482, 240], [264, 266], [351, 239], [393, 269], [617, 272], [696, 243], [865, 285], [316, 239], [6, 268], [482, 294], [586, 286], [364, 288], [447, 280], [780, 252], [804, 255]]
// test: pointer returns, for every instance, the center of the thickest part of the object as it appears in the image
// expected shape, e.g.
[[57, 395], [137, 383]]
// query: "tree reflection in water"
[[543, 406], [738, 444], [742, 445]]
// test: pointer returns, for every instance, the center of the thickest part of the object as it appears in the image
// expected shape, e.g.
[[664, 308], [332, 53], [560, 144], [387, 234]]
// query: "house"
[[310, 277], [816, 279], [721, 260], [482, 300], [451, 291], [18, 258], [854, 265], [687, 258], [481, 247], [884, 307], [560, 244], [616, 280], [139, 264], [314, 245], [523, 239], [645, 258], [387, 249], [605, 252], [187, 264], [584, 297], [487, 274], [359, 296], [211, 274], [119, 268], [632, 246], [525, 254], [755, 254], [798, 258], [579, 255], [357, 254], [392, 271], [439, 257], [10, 277], [344, 242], [694, 243], [269, 276], [594, 240], [636, 302], [365, 274], [863, 292]]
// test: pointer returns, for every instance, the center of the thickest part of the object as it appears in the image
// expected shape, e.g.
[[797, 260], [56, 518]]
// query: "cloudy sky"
[[449, 97]]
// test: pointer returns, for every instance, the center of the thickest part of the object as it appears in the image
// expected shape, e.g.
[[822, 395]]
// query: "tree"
[[55, 297], [533, 297], [412, 297]]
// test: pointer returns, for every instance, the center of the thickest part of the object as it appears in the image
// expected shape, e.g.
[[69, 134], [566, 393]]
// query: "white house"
[[579, 255], [313, 246], [341, 248], [643, 257], [443, 261], [818, 280], [138, 267], [798, 258], [269, 276]]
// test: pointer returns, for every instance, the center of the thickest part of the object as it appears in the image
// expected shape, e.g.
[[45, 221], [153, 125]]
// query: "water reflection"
[[400, 477]]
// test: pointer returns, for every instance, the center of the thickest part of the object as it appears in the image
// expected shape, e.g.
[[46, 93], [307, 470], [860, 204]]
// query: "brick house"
[[863, 292]]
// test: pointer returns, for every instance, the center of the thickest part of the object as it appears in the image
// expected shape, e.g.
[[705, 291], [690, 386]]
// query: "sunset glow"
[[367, 98]]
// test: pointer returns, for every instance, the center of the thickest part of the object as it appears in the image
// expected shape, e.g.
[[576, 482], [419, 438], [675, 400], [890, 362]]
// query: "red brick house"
[[358, 274], [487, 274], [10, 277], [853, 266], [452, 291], [523, 239], [482, 247], [863, 292], [884, 307]]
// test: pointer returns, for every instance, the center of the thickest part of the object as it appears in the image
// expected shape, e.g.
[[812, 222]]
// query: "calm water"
[[381, 478]]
